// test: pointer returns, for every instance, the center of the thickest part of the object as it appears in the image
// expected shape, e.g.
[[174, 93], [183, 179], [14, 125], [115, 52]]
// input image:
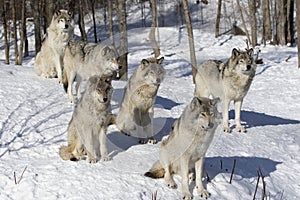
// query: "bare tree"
[[94, 20], [252, 12], [267, 30], [110, 19], [123, 49], [243, 20], [217, 31], [190, 37], [21, 30], [298, 28], [153, 4], [81, 21], [290, 22], [281, 15], [37, 25], [5, 28], [14, 15]]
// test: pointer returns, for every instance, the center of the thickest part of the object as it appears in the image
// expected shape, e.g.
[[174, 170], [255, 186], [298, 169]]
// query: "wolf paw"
[[187, 196], [203, 193], [105, 158], [92, 160], [227, 130], [241, 129], [152, 141]]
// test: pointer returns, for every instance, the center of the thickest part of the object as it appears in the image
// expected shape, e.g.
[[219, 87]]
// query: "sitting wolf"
[[136, 113], [87, 128], [229, 81], [49, 61], [187, 144], [83, 60]]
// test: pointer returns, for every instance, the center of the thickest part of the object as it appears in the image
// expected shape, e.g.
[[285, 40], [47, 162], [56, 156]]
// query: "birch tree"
[[153, 4]]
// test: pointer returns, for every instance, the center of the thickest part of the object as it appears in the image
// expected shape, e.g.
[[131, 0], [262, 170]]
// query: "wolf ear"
[[105, 50], [195, 103], [235, 53], [70, 13], [57, 12], [160, 60], [144, 63], [250, 52]]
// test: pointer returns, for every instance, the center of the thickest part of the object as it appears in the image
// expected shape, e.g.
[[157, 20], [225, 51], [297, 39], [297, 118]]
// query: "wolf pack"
[[182, 152]]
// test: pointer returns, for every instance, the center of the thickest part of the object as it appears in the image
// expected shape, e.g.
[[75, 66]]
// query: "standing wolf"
[[230, 81], [187, 144], [83, 60], [136, 113], [48, 62], [87, 128]]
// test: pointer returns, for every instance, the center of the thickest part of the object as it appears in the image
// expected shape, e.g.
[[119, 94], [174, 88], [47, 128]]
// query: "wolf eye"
[[203, 114]]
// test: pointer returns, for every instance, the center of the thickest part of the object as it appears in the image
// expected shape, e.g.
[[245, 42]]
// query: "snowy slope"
[[35, 113]]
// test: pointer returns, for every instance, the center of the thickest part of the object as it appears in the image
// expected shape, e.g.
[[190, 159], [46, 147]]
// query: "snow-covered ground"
[[35, 113]]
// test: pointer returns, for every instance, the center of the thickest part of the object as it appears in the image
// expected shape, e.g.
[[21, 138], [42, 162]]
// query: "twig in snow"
[[264, 184], [234, 162], [154, 195], [15, 178], [289, 57], [221, 164], [281, 195], [21, 176], [258, 176], [207, 177]]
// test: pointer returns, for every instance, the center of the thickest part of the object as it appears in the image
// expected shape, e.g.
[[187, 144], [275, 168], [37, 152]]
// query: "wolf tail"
[[65, 152], [157, 171], [65, 81]]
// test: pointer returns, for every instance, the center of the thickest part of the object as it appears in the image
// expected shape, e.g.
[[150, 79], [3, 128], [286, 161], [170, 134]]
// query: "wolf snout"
[[66, 26], [105, 99], [248, 67], [120, 67]]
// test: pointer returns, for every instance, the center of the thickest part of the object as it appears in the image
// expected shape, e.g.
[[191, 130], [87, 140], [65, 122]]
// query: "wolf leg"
[[90, 146], [237, 110], [199, 185], [184, 169], [102, 141], [70, 85], [169, 178], [226, 115]]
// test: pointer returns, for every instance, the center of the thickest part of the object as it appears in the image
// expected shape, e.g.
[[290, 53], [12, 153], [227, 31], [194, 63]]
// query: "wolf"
[[83, 60], [90, 119], [187, 144], [136, 112], [48, 62], [229, 81]]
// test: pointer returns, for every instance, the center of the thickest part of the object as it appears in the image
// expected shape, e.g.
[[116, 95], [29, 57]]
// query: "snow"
[[35, 113]]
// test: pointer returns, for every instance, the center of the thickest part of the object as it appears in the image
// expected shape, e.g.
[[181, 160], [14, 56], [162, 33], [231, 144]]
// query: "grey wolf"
[[48, 62], [229, 81], [83, 60], [187, 144], [88, 126], [135, 117]]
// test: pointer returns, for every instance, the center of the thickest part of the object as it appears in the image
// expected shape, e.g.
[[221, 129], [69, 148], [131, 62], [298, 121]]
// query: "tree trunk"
[[14, 15], [243, 20], [50, 7], [267, 30], [94, 20], [22, 26], [217, 31], [37, 25], [110, 19], [191, 38], [5, 28], [81, 22], [298, 28], [252, 12], [290, 22], [153, 4], [123, 49], [281, 21]]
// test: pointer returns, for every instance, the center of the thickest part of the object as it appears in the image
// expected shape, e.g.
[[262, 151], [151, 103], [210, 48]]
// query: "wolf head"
[[101, 88], [63, 20], [243, 62], [205, 111], [152, 70], [110, 59]]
